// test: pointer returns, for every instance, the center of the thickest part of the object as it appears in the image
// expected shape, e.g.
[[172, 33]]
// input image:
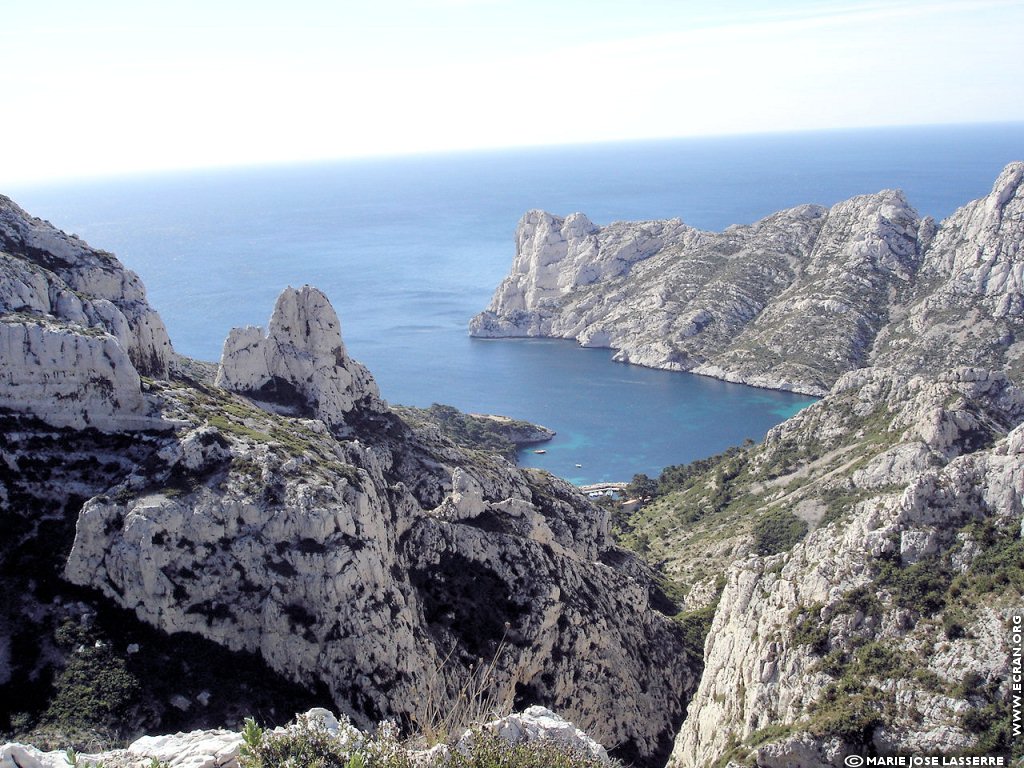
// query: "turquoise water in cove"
[[408, 249]]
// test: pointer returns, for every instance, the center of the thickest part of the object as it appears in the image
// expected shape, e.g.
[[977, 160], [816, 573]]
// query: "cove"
[[614, 419]]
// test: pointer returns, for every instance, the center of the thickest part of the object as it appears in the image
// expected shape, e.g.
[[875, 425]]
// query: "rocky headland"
[[790, 302], [876, 565]]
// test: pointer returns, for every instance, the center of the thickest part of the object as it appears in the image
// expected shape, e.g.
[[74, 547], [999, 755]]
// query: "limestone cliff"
[[57, 274], [286, 511], [75, 330], [790, 302], [303, 355], [968, 298]]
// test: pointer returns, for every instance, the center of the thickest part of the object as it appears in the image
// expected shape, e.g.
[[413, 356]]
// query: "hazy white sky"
[[114, 86]]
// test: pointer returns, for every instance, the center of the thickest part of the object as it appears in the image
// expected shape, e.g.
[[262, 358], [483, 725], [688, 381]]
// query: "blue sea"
[[408, 249]]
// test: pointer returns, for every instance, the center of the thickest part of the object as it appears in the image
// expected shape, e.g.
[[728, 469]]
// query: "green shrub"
[[954, 622], [491, 751], [851, 715], [878, 660], [919, 587], [72, 758], [863, 599], [778, 532], [95, 690], [834, 663], [726, 467], [810, 629], [641, 487], [992, 726], [1000, 565], [773, 732], [308, 744], [696, 625]]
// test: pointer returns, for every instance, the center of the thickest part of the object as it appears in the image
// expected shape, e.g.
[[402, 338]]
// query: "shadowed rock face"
[[790, 302]]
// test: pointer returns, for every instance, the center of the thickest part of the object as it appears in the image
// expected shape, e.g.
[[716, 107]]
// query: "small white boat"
[[540, 450]]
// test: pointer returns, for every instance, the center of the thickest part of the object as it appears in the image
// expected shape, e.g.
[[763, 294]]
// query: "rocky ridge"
[[790, 302], [279, 507]]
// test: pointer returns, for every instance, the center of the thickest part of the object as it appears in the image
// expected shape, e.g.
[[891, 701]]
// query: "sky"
[[109, 87]]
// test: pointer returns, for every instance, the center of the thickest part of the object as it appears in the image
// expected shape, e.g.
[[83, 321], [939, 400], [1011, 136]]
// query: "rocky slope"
[[279, 507], [869, 562], [790, 302]]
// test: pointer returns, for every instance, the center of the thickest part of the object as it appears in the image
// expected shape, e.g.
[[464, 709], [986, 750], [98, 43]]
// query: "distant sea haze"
[[408, 249]]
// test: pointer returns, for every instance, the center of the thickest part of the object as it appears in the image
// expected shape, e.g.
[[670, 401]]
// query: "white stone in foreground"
[[540, 724], [196, 749], [20, 755]]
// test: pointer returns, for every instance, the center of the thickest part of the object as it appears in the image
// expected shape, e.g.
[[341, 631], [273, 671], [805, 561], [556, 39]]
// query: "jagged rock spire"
[[302, 355]]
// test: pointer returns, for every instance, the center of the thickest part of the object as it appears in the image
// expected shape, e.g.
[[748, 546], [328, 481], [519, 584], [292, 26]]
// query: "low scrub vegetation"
[[778, 531], [309, 744]]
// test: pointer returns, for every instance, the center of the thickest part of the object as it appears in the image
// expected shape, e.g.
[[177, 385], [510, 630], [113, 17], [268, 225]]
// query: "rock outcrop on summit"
[[967, 300], [790, 302], [302, 354]]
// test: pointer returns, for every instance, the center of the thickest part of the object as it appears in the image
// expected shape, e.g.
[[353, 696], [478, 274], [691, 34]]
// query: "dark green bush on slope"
[[778, 532]]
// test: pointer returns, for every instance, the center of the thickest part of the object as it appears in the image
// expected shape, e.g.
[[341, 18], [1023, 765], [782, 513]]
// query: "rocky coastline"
[[847, 587], [790, 302]]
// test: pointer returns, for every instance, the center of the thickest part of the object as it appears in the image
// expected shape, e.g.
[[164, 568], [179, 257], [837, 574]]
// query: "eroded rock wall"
[[75, 330]]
